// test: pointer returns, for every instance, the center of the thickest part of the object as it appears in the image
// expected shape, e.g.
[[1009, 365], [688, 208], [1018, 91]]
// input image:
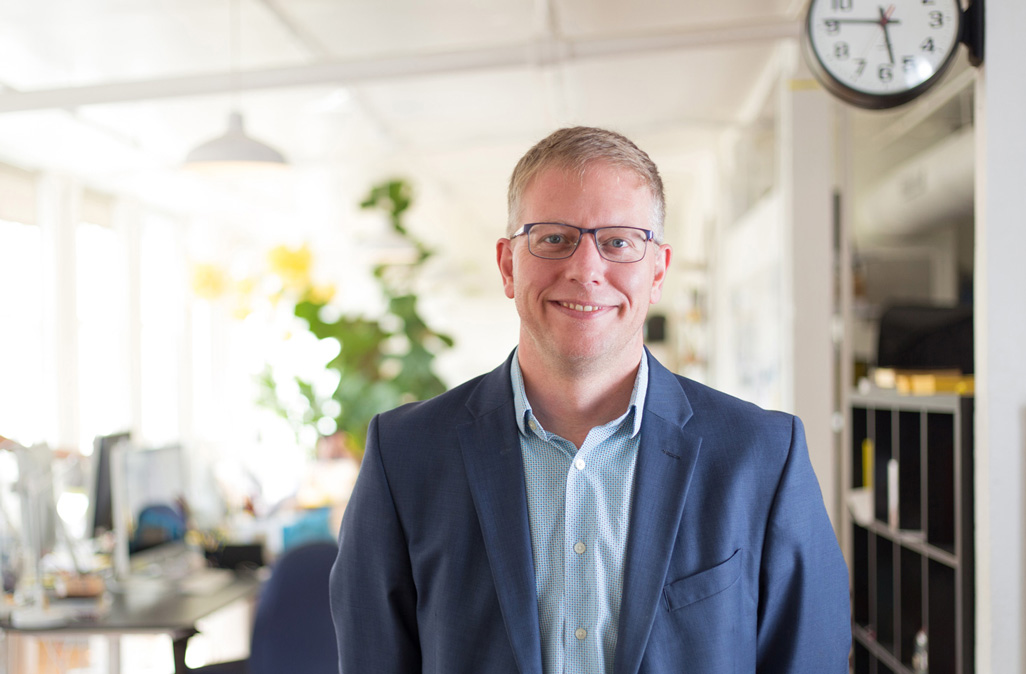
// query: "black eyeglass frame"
[[525, 229]]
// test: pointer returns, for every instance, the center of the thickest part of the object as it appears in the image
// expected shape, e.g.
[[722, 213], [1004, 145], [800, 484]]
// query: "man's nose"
[[586, 264]]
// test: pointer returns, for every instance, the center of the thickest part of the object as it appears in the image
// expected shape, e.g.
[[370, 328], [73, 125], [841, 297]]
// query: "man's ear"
[[504, 256], [663, 255]]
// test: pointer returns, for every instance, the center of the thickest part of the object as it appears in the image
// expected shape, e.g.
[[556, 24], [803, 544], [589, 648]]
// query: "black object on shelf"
[[237, 556], [917, 337]]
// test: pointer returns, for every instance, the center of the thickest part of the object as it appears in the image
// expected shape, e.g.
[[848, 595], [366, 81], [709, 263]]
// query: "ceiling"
[[450, 91], [447, 93]]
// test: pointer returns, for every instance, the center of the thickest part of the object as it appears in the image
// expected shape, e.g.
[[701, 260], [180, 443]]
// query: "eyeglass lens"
[[616, 244]]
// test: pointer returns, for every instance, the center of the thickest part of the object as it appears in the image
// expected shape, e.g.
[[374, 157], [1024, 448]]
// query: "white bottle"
[[920, 659]]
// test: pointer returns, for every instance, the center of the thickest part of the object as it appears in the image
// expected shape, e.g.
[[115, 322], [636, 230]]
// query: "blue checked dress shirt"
[[578, 504]]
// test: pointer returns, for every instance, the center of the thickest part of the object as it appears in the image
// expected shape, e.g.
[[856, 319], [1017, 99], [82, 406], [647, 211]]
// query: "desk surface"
[[169, 611]]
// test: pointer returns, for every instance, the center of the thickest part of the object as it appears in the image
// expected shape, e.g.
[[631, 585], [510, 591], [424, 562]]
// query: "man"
[[581, 509]]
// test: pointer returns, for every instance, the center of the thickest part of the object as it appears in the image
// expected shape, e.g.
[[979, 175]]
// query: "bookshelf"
[[912, 558]]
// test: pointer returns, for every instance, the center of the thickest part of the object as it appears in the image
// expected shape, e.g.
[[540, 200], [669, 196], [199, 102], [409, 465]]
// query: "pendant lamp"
[[234, 150]]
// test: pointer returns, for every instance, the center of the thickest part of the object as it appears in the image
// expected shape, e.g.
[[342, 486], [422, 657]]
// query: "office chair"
[[293, 631]]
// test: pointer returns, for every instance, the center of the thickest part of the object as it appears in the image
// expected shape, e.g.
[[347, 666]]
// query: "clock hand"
[[885, 18], [876, 21]]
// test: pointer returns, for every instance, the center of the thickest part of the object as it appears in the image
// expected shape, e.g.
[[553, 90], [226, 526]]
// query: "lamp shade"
[[233, 148]]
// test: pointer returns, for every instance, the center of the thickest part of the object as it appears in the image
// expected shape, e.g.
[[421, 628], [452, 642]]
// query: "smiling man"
[[580, 509]]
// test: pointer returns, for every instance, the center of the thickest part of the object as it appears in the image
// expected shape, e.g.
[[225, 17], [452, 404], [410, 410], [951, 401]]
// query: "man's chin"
[[586, 355]]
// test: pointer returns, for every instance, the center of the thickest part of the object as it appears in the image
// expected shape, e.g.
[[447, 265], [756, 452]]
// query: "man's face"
[[583, 310]]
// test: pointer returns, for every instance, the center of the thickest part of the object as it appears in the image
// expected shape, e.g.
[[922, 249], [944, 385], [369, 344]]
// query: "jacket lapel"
[[491, 453], [666, 460]]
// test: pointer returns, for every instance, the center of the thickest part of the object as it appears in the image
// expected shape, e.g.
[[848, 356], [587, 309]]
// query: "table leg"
[[114, 654]]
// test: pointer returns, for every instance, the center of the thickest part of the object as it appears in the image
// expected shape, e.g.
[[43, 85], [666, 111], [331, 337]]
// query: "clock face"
[[884, 53]]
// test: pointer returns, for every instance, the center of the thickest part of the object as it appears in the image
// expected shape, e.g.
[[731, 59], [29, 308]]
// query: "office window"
[[22, 384], [104, 356], [162, 313]]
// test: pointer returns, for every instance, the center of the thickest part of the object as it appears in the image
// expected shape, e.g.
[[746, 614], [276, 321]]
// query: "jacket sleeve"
[[373, 597], [804, 615]]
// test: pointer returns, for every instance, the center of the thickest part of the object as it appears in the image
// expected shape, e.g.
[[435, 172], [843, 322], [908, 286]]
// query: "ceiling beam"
[[341, 73]]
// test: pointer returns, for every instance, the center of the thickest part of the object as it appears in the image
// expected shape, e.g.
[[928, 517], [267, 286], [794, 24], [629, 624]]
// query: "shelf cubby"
[[912, 563]]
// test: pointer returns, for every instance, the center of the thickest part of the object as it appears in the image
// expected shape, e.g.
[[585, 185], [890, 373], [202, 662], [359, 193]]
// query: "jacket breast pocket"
[[703, 584]]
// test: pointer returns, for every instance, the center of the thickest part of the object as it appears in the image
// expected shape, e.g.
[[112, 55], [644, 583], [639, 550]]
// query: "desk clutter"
[[57, 610], [138, 537], [69, 599], [107, 545]]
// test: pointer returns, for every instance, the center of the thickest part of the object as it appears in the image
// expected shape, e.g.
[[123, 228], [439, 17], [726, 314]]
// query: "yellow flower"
[[208, 280], [291, 265], [320, 293], [244, 287], [241, 308]]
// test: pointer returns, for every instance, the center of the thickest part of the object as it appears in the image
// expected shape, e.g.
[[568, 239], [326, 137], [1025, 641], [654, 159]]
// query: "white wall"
[[1000, 315], [748, 358], [807, 159]]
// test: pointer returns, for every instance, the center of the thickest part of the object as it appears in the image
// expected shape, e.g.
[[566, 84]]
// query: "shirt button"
[[580, 547], [581, 633], [533, 426], [579, 464]]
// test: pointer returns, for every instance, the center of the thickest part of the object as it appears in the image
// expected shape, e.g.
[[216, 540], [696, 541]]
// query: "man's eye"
[[554, 239], [617, 243]]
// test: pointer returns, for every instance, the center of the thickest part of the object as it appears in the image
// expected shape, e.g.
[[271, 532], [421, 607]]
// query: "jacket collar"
[[491, 454], [666, 460]]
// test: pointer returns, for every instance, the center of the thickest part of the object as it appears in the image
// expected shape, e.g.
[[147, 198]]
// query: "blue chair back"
[[293, 631]]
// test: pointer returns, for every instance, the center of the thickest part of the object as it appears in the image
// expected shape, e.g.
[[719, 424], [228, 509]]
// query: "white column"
[[57, 207], [806, 140], [125, 221], [1000, 344]]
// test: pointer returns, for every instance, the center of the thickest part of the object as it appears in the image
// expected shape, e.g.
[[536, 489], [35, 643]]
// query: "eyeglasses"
[[556, 241]]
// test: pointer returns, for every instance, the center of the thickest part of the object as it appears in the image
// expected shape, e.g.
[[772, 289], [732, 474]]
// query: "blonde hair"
[[573, 150]]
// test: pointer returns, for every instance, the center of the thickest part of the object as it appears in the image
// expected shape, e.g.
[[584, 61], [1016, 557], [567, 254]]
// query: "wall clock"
[[881, 53]]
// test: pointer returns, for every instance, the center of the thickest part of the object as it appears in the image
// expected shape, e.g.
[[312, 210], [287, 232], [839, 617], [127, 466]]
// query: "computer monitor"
[[148, 488], [39, 507], [99, 519]]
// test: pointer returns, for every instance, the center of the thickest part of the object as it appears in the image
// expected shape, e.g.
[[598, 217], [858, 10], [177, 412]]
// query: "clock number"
[[842, 5], [927, 45], [841, 52], [861, 66], [908, 62], [832, 25], [885, 73], [936, 19]]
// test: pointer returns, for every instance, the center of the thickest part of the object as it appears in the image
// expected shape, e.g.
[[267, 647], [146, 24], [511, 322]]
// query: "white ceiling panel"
[[63, 43], [594, 18], [462, 109], [367, 28], [700, 87]]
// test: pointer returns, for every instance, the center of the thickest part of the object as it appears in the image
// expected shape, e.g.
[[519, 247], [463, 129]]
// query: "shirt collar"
[[522, 406]]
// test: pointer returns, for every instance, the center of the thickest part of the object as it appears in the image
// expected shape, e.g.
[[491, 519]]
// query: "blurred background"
[[256, 315]]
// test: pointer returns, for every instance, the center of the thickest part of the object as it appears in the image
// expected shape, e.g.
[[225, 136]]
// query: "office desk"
[[166, 612]]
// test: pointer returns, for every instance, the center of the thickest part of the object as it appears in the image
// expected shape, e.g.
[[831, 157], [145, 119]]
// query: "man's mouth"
[[579, 307]]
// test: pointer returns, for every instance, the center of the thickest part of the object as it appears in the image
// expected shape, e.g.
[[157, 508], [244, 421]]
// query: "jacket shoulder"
[[451, 407], [719, 413]]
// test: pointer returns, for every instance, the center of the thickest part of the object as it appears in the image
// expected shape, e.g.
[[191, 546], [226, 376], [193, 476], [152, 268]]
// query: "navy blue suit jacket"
[[731, 562]]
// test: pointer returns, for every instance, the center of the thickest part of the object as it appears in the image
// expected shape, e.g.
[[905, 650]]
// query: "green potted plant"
[[382, 361]]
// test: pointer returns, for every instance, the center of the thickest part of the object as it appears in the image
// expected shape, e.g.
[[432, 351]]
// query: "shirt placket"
[[583, 637], [577, 586]]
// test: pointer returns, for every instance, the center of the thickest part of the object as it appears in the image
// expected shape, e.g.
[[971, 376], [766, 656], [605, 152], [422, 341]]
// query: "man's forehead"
[[558, 182], [578, 173]]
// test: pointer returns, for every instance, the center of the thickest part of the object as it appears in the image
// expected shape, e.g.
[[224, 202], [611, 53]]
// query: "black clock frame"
[[970, 33]]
